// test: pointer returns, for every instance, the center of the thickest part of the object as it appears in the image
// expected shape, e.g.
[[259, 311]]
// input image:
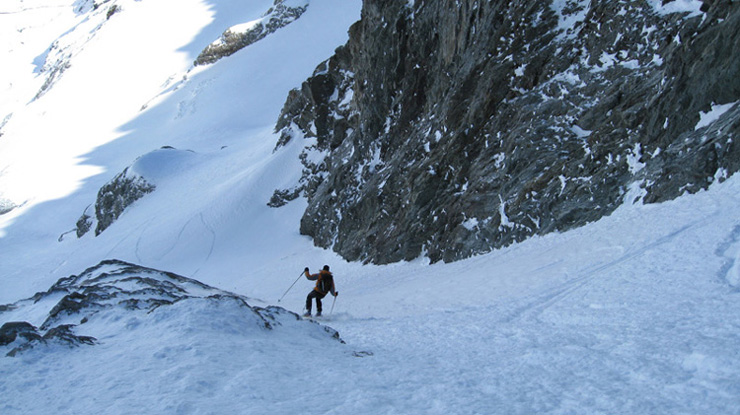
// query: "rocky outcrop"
[[10, 331], [448, 130], [113, 198], [116, 292], [321, 112], [28, 337], [142, 177], [6, 206], [241, 36], [133, 183]]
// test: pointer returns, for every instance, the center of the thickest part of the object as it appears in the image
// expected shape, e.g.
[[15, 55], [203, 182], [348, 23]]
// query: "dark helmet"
[[326, 268]]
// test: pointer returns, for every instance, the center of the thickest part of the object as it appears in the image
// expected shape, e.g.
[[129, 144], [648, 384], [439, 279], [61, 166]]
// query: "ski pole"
[[332, 304], [286, 291]]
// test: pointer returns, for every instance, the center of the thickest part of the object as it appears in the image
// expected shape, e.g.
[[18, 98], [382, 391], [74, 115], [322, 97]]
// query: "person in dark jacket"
[[324, 285]]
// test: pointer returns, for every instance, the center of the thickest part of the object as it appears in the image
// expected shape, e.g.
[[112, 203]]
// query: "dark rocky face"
[[452, 128], [115, 197]]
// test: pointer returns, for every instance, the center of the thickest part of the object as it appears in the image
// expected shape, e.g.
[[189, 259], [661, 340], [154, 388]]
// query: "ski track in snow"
[[729, 250], [619, 336]]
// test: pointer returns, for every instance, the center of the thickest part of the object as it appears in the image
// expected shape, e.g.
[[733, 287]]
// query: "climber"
[[324, 285]]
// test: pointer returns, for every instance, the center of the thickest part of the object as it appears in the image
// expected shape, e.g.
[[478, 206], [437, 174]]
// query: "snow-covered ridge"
[[114, 296]]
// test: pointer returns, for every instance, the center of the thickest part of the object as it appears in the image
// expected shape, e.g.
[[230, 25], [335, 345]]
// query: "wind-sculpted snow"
[[133, 183], [116, 297]]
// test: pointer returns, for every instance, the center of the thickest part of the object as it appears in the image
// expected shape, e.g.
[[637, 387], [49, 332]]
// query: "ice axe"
[[286, 291]]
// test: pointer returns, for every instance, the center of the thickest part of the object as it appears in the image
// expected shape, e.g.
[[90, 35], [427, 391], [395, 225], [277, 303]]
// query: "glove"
[[305, 270], [336, 293]]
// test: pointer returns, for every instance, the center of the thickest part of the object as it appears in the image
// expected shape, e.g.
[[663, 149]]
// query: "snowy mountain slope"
[[637, 313], [634, 314], [153, 320], [224, 113]]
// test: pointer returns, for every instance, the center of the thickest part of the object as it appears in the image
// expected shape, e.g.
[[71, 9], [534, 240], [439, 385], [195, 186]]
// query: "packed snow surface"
[[638, 313]]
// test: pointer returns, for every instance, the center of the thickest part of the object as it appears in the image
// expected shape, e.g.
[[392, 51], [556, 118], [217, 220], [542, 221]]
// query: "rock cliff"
[[450, 128]]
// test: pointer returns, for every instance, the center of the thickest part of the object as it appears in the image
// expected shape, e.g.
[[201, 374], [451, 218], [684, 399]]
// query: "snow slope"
[[223, 113], [638, 313], [635, 314]]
